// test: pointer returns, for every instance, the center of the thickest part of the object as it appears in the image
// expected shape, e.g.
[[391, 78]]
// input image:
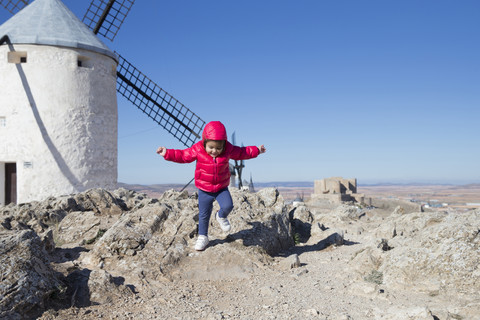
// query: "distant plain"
[[455, 196]]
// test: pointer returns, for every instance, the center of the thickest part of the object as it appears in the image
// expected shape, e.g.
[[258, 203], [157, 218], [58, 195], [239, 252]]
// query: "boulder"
[[438, 251], [104, 288], [268, 196], [27, 279]]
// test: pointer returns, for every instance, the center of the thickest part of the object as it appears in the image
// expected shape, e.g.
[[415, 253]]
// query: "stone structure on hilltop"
[[338, 189]]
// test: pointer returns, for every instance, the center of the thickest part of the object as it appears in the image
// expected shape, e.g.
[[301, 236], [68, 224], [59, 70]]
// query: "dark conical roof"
[[50, 22]]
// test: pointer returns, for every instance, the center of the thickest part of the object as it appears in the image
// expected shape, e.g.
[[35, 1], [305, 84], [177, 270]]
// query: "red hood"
[[214, 130]]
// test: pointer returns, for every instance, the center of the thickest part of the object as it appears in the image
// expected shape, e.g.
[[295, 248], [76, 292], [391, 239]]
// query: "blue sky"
[[384, 91]]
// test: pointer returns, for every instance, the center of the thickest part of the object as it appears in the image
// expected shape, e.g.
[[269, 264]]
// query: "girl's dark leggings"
[[205, 205]]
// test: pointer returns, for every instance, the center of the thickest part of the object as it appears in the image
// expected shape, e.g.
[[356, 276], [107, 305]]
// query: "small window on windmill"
[[17, 57], [84, 62], [3, 122]]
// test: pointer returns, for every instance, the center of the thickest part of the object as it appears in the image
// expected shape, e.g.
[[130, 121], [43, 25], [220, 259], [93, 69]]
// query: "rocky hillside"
[[122, 255]]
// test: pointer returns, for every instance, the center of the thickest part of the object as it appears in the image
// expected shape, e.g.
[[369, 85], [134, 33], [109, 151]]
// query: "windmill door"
[[10, 183]]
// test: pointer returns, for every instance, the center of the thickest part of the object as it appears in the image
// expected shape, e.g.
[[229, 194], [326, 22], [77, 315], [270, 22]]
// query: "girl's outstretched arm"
[[262, 149], [162, 151], [180, 156]]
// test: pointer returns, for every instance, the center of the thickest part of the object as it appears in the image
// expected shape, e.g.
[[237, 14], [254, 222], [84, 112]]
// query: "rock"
[[398, 211], [316, 232], [338, 238], [384, 245], [174, 195], [47, 241], [302, 213], [324, 239], [133, 200], [27, 279], [437, 252], [268, 196], [301, 220], [271, 233], [104, 288], [387, 230], [312, 312], [78, 227], [99, 201], [290, 262], [130, 233], [347, 212]]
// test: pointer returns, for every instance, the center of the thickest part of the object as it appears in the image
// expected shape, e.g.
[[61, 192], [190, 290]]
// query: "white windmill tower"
[[58, 105], [58, 110]]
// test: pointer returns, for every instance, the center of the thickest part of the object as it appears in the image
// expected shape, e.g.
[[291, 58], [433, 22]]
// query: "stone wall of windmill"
[[59, 122], [58, 117]]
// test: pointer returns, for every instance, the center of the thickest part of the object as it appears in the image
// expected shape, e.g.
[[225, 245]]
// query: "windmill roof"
[[50, 22]]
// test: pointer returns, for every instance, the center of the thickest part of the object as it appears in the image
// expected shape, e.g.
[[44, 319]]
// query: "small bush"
[[296, 238], [374, 277], [100, 233]]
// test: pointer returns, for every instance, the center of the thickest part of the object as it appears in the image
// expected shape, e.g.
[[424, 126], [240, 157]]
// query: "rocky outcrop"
[[27, 279], [436, 252], [107, 245]]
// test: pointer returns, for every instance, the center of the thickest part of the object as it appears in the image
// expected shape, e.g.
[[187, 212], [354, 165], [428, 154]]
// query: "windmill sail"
[[105, 17], [158, 104], [14, 6]]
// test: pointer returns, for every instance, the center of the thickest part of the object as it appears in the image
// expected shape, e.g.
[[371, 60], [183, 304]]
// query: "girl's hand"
[[162, 151], [262, 149]]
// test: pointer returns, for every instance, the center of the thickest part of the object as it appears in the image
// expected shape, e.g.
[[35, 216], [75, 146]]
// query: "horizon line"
[[380, 182]]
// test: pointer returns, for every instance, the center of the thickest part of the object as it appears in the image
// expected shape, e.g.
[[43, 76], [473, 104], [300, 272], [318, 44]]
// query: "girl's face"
[[214, 147]]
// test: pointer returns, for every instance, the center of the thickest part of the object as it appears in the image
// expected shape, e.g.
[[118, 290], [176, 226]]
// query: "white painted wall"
[[60, 117], [2, 182]]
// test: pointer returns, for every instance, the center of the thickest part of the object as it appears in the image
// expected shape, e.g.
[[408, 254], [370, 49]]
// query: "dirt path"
[[323, 287]]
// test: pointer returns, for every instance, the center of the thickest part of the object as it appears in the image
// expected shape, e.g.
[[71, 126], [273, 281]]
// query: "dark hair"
[[208, 140]]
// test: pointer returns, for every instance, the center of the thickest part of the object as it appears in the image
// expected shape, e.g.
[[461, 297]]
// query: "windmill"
[[238, 167], [105, 17], [84, 159]]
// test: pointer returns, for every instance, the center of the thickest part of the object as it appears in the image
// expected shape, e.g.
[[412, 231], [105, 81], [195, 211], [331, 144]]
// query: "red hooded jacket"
[[212, 174]]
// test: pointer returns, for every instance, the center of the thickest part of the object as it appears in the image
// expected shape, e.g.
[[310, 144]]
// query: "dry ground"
[[454, 196], [320, 289]]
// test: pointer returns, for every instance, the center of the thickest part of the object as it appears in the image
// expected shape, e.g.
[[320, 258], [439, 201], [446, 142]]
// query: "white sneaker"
[[202, 242], [224, 223]]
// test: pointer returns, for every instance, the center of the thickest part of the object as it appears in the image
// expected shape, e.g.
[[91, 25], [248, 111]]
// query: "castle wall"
[[60, 119], [335, 185], [338, 189]]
